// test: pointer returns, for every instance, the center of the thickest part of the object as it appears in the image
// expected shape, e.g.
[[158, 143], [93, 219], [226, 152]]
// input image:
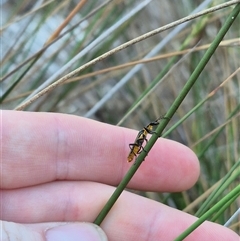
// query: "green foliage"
[[204, 116]]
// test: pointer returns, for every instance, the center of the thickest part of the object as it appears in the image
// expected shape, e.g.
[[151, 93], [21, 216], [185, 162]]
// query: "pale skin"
[[62, 168]]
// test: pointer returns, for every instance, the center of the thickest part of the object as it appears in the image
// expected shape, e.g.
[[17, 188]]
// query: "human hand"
[[59, 170]]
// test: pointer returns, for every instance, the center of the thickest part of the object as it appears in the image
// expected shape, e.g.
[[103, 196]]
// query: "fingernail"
[[76, 232]]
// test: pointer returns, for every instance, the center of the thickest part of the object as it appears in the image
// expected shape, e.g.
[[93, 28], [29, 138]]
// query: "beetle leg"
[[132, 145]]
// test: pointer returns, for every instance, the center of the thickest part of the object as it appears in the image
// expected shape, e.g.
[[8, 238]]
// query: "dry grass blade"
[[121, 47]]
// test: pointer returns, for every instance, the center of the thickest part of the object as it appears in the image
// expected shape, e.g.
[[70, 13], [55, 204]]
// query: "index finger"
[[45, 147]]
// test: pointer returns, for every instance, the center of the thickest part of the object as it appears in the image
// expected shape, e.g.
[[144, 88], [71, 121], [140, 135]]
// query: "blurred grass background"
[[212, 130]]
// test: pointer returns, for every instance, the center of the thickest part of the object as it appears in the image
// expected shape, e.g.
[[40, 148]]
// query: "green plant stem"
[[117, 193], [232, 175], [222, 209], [214, 137], [192, 79], [196, 107], [231, 196], [8, 91]]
